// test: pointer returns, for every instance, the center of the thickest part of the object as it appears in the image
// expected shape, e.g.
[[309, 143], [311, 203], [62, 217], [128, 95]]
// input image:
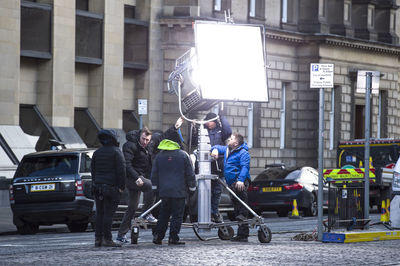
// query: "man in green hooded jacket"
[[172, 177]]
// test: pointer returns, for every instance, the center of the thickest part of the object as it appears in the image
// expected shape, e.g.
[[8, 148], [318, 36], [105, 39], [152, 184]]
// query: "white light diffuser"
[[230, 62]]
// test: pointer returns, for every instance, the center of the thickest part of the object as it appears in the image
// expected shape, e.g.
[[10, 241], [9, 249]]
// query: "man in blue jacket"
[[237, 176], [219, 131], [172, 177]]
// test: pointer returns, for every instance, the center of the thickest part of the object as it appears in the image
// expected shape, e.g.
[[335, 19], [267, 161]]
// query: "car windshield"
[[293, 175], [48, 165]]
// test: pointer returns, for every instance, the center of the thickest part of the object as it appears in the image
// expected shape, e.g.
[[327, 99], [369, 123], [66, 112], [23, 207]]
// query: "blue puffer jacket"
[[236, 163]]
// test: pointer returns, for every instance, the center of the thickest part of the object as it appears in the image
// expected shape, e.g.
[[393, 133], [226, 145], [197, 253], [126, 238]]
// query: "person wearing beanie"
[[237, 175], [219, 131], [173, 178], [108, 179]]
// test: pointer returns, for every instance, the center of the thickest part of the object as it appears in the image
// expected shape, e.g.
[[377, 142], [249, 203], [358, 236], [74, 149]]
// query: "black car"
[[275, 188], [53, 187]]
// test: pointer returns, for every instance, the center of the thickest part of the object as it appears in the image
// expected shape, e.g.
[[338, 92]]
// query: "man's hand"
[[178, 123], [139, 181], [239, 186], [214, 154]]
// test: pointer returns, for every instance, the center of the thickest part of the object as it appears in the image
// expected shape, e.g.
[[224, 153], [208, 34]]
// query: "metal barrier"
[[346, 206]]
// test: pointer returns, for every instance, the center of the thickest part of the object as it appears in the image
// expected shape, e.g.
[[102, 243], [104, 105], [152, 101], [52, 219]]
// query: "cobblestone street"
[[78, 249]]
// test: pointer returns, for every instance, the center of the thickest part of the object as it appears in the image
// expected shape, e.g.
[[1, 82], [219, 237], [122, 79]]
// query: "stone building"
[[70, 68]]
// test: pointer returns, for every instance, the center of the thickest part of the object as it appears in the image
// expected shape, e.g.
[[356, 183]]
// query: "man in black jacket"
[[138, 170], [108, 177], [172, 177], [219, 131]]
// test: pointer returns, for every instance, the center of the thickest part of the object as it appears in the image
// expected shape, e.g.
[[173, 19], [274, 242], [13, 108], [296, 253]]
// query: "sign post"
[[142, 110], [321, 76], [368, 82]]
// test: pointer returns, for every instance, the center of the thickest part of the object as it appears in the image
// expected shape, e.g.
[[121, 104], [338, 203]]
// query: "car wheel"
[[77, 227], [28, 229], [312, 209], [282, 213]]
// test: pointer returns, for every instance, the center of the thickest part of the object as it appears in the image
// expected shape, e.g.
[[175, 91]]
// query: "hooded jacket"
[[172, 174], [108, 164], [137, 159], [236, 163]]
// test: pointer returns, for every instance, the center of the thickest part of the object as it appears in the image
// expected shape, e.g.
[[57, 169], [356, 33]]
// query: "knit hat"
[[173, 135], [210, 116]]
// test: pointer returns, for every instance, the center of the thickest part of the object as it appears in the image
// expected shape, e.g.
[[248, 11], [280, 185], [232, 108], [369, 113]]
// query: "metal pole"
[[366, 151], [320, 162], [250, 126], [140, 122]]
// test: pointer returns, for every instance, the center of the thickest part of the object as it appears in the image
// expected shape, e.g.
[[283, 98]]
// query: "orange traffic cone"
[[295, 211], [384, 216]]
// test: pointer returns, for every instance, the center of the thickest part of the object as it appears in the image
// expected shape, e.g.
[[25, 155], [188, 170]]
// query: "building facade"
[[72, 67]]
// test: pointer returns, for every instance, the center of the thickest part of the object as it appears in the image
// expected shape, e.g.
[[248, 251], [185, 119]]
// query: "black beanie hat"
[[173, 135], [210, 116]]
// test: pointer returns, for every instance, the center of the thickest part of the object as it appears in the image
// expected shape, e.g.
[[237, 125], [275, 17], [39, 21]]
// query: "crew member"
[[237, 176], [172, 177], [108, 178], [219, 131], [138, 170]]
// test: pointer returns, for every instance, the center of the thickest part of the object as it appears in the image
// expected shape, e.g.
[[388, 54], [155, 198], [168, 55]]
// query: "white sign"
[[321, 76], [362, 81], [142, 106]]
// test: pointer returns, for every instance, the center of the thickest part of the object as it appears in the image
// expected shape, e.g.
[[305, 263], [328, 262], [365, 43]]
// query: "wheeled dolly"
[[225, 230]]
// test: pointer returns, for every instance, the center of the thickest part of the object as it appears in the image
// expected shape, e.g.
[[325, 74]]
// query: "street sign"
[[142, 106], [362, 81], [321, 75]]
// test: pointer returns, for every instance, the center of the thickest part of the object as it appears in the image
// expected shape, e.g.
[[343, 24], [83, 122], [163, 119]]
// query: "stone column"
[[9, 56], [113, 64], [63, 68], [155, 73]]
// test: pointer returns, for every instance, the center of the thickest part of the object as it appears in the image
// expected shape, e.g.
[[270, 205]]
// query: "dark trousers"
[[243, 229], [133, 202], [107, 199], [216, 187], [173, 208]]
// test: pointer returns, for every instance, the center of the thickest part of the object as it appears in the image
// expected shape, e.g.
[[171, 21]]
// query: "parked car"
[[53, 187], [275, 188]]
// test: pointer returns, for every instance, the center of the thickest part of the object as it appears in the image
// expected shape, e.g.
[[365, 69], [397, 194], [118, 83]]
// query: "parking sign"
[[321, 75]]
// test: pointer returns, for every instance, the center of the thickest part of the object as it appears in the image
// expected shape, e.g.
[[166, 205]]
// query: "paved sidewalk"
[[6, 223]]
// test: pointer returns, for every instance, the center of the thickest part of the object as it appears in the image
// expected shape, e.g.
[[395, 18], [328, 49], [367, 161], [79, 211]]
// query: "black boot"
[[175, 242], [98, 241], [110, 243]]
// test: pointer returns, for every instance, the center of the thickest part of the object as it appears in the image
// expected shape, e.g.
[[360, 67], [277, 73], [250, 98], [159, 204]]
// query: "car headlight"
[[396, 180]]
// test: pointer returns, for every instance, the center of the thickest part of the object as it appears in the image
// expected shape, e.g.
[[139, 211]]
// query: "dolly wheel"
[[264, 234], [134, 235], [225, 232]]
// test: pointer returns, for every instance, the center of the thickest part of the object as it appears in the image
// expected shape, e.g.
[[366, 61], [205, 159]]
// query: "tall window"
[[289, 11], [284, 11], [371, 16], [347, 12], [283, 116], [222, 5], [382, 115], [321, 8], [36, 29], [257, 9]]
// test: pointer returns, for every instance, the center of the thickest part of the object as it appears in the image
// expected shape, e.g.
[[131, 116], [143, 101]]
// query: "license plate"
[[272, 189], [43, 187]]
